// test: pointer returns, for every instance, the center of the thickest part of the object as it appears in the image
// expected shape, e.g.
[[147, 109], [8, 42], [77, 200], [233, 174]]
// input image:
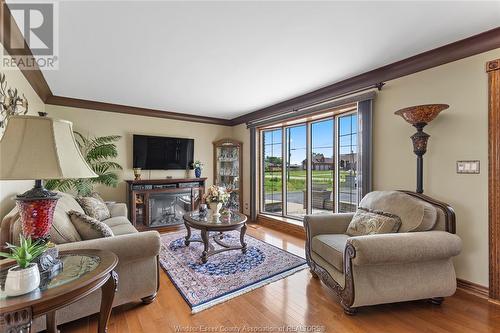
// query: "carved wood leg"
[[50, 319], [204, 237], [436, 300], [243, 230], [188, 237], [17, 321], [108, 294], [313, 273]]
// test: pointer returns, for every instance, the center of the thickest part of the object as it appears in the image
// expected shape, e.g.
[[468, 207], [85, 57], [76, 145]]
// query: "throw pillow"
[[94, 208], [97, 196], [88, 227], [370, 222]]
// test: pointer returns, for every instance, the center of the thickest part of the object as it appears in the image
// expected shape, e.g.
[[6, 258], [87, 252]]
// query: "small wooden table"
[[84, 271], [207, 223]]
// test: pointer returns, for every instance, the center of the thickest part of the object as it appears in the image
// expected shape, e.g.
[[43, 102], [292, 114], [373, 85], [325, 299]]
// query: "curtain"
[[364, 176]]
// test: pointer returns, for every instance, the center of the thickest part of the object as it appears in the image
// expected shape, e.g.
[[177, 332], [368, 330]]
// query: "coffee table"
[[83, 272], [207, 223]]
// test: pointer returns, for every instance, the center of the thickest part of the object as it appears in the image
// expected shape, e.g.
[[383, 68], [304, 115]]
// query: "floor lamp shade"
[[36, 148]]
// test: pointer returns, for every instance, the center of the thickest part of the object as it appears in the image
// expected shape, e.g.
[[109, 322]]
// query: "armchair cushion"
[[366, 222], [331, 248], [415, 214], [405, 248]]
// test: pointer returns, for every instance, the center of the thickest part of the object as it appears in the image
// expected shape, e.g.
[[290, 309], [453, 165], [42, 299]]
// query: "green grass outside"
[[297, 181]]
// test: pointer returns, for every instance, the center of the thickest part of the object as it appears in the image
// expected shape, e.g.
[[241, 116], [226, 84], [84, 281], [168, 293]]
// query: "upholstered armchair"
[[413, 263]]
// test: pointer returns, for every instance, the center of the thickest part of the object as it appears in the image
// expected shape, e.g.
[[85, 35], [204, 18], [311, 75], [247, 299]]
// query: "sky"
[[321, 136]]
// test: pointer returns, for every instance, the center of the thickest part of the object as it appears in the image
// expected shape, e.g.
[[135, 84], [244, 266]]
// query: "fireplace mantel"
[[160, 203]]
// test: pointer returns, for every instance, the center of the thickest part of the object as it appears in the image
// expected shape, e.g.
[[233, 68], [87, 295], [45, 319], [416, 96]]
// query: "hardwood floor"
[[297, 300]]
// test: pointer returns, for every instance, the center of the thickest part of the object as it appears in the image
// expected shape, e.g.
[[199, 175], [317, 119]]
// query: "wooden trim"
[[493, 70], [280, 224], [11, 35], [464, 48], [473, 288], [118, 108]]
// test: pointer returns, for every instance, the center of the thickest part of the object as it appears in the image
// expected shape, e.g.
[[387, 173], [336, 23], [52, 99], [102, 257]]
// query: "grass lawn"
[[297, 181]]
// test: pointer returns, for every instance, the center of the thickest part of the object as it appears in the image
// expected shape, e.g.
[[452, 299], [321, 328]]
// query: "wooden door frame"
[[493, 70]]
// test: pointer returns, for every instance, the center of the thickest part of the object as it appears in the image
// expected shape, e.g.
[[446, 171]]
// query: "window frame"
[[335, 116]]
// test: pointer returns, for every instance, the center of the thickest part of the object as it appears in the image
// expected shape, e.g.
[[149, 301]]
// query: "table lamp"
[[39, 147], [419, 116]]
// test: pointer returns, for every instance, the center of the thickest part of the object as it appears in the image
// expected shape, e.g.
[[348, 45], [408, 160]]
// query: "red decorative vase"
[[36, 216]]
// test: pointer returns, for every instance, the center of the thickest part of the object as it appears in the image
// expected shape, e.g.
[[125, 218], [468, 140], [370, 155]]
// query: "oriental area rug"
[[225, 275]]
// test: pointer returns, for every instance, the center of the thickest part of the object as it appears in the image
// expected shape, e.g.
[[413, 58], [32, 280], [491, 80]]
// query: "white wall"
[[99, 123]]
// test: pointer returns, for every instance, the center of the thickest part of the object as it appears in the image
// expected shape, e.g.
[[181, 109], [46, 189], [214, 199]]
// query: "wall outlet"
[[468, 167]]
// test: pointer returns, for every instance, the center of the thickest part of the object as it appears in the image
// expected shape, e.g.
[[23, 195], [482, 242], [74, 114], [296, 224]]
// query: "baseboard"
[[473, 288], [281, 224]]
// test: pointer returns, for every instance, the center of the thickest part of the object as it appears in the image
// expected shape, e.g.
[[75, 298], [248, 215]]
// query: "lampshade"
[[41, 148], [421, 114]]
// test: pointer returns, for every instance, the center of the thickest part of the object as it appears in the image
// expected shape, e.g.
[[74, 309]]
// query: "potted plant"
[[24, 277], [216, 196], [198, 166]]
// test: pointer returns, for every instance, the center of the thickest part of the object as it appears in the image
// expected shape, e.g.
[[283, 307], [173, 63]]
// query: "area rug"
[[225, 275]]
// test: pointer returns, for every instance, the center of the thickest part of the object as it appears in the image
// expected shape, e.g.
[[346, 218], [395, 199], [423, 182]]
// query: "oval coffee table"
[[207, 223], [83, 272]]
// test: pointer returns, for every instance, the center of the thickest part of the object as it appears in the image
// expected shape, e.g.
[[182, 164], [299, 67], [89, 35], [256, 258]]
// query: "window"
[[310, 167], [272, 185]]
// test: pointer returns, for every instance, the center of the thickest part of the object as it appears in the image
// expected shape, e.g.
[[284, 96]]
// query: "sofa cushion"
[[368, 222], [331, 248], [63, 230], [120, 225], [415, 214], [94, 208], [88, 227]]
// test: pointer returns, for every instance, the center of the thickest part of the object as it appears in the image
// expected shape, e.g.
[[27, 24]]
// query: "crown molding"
[[118, 108], [464, 48], [11, 35]]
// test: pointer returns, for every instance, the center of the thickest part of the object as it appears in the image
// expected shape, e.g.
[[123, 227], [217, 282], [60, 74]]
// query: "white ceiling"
[[225, 59]]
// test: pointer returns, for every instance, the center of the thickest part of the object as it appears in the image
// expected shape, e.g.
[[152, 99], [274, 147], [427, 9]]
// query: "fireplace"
[[162, 203], [168, 208]]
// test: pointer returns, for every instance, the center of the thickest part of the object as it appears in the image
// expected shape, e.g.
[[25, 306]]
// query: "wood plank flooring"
[[293, 303]]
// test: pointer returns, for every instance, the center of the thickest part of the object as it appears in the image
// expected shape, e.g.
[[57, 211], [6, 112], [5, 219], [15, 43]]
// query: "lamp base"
[[36, 208]]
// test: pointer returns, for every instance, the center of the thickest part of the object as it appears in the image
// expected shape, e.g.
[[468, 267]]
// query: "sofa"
[[138, 270], [411, 264]]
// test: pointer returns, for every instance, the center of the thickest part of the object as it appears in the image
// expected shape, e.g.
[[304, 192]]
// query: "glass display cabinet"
[[227, 170]]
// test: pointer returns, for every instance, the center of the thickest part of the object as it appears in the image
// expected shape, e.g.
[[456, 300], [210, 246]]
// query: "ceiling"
[[225, 59]]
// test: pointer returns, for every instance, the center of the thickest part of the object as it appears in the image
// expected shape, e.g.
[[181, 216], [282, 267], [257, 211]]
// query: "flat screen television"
[[162, 153]]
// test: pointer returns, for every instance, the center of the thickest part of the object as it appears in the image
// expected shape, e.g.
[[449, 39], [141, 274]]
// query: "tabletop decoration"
[[25, 276], [216, 196]]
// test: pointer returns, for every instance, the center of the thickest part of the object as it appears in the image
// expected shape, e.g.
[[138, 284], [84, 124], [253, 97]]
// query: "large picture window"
[[310, 166]]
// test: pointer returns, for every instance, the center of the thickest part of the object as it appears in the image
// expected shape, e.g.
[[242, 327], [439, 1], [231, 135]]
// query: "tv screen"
[[162, 153]]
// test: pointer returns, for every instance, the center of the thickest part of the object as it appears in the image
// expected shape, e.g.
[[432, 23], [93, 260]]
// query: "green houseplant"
[[25, 276], [98, 152]]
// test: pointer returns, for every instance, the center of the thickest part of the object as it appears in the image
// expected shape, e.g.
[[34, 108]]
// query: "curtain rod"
[[346, 98]]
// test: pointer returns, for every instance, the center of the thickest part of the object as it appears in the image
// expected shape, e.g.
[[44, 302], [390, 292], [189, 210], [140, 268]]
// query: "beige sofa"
[[414, 263], [137, 253]]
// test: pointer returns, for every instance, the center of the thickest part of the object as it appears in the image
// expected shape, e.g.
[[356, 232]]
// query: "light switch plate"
[[468, 167]]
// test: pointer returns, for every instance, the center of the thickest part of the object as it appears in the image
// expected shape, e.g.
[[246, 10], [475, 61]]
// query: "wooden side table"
[[84, 271]]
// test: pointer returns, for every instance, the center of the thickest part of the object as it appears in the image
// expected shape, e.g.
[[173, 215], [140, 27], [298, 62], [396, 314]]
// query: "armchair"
[[414, 263]]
